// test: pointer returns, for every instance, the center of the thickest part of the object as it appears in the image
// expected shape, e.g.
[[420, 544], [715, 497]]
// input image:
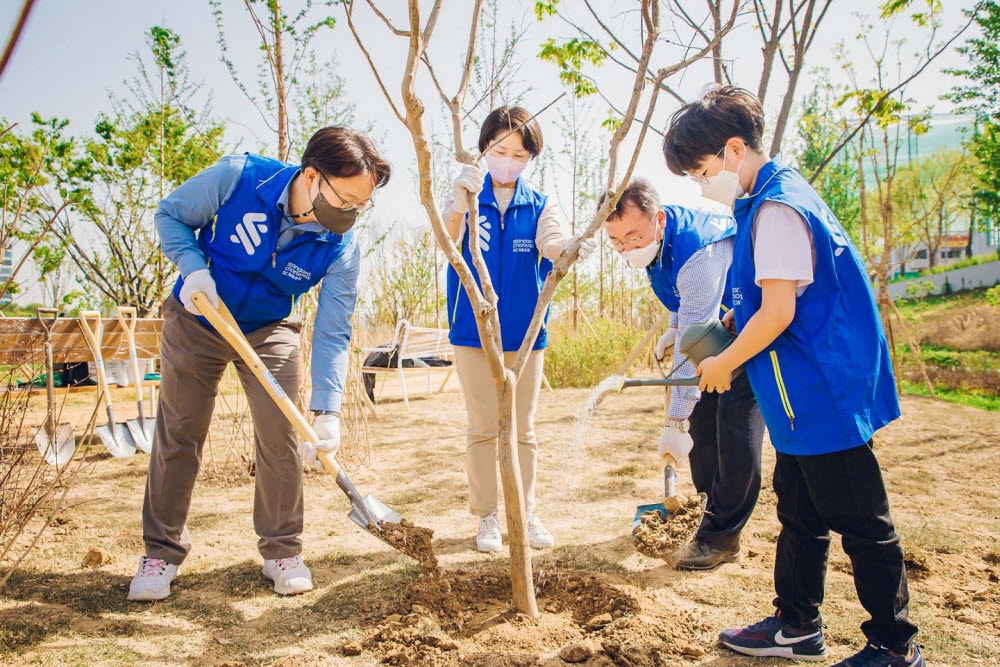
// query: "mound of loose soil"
[[413, 541], [658, 536], [440, 620]]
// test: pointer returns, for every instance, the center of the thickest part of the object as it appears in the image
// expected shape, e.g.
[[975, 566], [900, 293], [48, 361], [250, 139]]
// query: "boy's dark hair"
[[341, 152], [702, 128], [504, 119], [639, 193]]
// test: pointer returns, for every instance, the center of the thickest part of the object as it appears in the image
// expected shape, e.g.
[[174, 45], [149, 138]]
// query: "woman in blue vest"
[[521, 232], [686, 254], [254, 233], [812, 343]]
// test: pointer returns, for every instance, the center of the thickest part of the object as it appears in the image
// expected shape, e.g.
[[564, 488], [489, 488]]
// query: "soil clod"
[[658, 536], [96, 558], [414, 541]]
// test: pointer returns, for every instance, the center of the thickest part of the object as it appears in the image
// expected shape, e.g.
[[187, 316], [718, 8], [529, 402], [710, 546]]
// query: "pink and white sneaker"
[[152, 580], [290, 575]]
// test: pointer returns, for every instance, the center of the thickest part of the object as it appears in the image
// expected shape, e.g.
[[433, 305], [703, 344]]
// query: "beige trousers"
[[481, 404], [193, 359]]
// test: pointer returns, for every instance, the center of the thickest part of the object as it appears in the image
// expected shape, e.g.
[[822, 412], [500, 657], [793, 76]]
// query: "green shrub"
[[584, 358], [993, 296]]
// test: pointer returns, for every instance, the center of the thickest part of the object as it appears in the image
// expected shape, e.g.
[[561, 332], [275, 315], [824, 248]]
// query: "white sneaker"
[[538, 536], [152, 580], [488, 537], [290, 575]]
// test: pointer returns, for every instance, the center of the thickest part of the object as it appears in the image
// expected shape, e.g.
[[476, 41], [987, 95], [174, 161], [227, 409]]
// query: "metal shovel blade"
[[142, 437], [58, 450], [371, 512], [117, 440]]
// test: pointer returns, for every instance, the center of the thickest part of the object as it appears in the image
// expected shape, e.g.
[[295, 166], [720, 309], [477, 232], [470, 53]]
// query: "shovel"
[[700, 341], [367, 512], [55, 441], [116, 438], [141, 429]]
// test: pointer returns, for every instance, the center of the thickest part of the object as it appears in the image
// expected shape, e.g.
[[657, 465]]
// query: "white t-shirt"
[[783, 247]]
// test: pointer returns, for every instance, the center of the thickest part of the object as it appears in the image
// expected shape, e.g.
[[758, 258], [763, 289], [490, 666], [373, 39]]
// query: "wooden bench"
[[414, 343], [22, 342]]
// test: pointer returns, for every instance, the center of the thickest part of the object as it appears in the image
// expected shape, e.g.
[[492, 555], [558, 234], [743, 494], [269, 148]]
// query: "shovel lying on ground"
[[141, 429], [368, 512], [113, 434], [55, 441]]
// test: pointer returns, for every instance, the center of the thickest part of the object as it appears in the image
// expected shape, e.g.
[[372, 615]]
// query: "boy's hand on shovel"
[[327, 428]]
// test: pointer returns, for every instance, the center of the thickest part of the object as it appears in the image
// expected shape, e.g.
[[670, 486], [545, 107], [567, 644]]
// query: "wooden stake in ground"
[[484, 300]]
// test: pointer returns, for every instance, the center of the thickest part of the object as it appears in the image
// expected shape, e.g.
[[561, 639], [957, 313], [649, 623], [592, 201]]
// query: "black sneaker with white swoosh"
[[880, 656], [774, 638]]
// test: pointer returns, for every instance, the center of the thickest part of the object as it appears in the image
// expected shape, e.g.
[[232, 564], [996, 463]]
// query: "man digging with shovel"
[[686, 254], [257, 233]]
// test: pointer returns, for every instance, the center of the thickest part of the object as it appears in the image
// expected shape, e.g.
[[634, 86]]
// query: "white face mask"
[[640, 258], [504, 169], [725, 186]]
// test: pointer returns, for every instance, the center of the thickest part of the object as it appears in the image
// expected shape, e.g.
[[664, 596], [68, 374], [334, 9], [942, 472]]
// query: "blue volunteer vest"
[[826, 383], [258, 283], [516, 268], [687, 231]]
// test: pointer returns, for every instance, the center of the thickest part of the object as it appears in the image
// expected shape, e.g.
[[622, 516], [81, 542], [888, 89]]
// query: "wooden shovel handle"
[[224, 323], [94, 333], [128, 317]]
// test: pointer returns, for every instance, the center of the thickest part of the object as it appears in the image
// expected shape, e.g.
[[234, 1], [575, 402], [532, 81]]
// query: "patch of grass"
[[982, 401], [410, 496], [105, 653], [625, 471], [16, 634]]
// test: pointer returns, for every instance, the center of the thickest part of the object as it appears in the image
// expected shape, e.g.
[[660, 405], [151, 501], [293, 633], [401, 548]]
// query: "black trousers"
[[843, 492], [727, 431]]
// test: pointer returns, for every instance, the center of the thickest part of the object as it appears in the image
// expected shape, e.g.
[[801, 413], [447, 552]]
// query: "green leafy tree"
[[152, 140], [979, 93], [285, 43], [819, 131]]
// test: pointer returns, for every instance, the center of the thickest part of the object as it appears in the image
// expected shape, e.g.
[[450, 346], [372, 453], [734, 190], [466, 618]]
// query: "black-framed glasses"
[[349, 205]]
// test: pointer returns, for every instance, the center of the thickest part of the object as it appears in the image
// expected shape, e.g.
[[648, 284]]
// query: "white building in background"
[[951, 250], [6, 266]]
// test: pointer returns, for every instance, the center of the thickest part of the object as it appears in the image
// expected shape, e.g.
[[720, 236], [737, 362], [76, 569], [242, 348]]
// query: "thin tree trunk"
[[279, 84]]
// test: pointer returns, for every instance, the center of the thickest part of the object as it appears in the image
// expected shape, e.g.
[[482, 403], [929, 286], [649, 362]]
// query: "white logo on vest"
[[295, 272], [484, 234], [247, 231]]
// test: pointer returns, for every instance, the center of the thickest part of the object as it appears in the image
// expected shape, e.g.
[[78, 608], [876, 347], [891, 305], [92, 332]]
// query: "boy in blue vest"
[[812, 344], [256, 234], [686, 254]]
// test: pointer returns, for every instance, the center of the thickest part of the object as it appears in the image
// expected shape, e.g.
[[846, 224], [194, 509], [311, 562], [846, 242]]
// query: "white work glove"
[[667, 340], [469, 181], [198, 281], [675, 443], [327, 429], [587, 248]]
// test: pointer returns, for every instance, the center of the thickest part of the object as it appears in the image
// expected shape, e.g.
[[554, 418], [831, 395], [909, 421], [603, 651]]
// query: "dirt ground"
[[600, 600]]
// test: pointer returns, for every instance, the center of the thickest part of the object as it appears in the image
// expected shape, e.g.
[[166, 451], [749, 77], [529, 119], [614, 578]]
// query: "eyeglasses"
[[633, 242], [702, 178], [349, 205]]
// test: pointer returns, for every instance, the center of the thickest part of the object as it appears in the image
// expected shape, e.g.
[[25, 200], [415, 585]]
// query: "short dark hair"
[[341, 152], [639, 193], [504, 119], [702, 128]]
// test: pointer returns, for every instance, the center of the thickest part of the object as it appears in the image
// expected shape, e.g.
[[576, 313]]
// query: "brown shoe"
[[698, 555]]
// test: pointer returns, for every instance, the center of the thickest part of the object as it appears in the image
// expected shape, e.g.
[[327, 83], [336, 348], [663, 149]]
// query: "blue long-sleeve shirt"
[[193, 205]]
